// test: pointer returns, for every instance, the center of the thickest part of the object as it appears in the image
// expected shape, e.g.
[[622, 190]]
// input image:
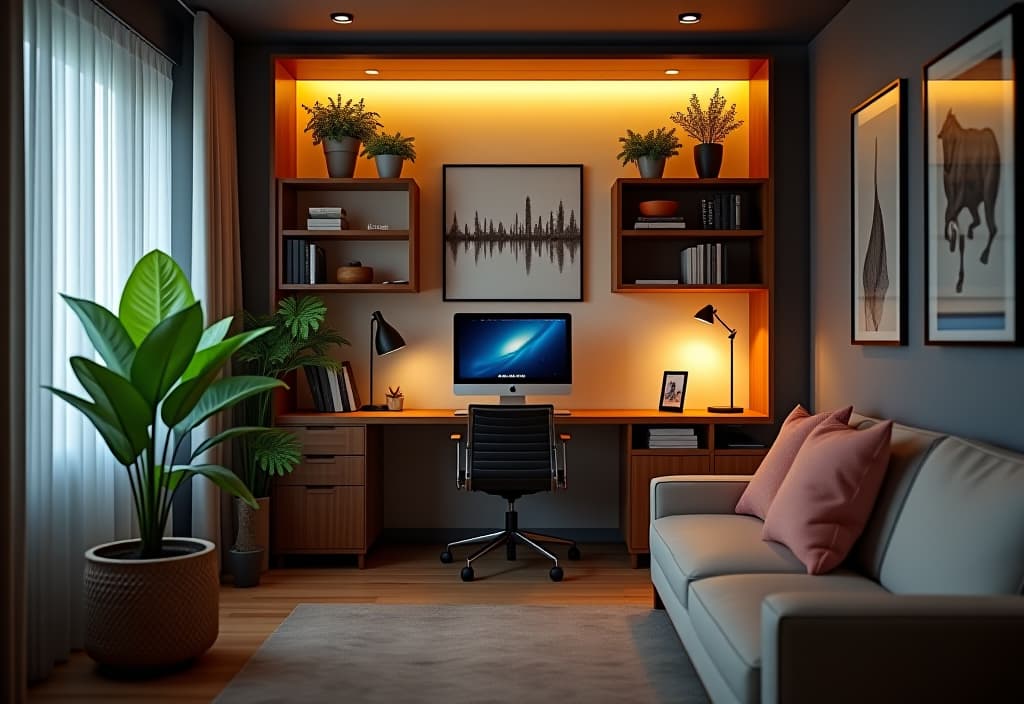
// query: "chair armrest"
[[855, 647], [696, 493]]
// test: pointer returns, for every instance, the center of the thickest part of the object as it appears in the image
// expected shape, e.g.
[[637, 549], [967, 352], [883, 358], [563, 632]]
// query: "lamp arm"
[[732, 331]]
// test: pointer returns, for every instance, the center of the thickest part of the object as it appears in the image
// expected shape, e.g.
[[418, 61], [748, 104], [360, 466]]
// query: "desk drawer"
[[331, 440], [327, 470], [312, 519]]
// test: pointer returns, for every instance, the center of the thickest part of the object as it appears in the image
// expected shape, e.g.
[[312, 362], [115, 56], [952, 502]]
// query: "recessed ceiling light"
[[348, 17], [372, 72], [671, 72], [689, 17]]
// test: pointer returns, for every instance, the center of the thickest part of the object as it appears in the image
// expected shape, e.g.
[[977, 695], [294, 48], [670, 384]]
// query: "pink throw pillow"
[[765, 483], [827, 497]]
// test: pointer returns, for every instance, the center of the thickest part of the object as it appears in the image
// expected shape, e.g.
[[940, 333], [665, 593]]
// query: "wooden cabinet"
[[382, 233], [326, 504]]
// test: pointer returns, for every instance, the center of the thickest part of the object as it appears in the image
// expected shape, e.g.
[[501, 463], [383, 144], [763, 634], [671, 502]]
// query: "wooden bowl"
[[355, 274], [658, 208]]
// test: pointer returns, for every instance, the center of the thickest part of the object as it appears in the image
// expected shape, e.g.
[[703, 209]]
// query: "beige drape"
[[12, 362], [216, 261]]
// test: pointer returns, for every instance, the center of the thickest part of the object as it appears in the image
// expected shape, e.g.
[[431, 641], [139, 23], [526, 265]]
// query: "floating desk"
[[329, 504]]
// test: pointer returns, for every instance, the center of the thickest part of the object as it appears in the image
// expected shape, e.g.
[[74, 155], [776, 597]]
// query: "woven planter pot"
[[151, 613]]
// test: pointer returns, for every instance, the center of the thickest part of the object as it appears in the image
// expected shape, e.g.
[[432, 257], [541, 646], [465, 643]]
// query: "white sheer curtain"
[[98, 117]]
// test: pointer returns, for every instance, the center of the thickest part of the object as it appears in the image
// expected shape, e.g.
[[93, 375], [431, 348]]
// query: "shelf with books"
[[362, 235], [694, 233]]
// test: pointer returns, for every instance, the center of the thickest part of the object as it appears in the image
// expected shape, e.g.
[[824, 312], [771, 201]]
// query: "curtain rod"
[[187, 9]]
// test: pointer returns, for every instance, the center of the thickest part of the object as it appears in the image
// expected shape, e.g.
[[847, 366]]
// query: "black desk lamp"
[[385, 341], [709, 315]]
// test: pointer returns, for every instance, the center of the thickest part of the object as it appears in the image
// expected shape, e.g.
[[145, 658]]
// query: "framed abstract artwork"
[[513, 232], [972, 193], [673, 391], [878, 180]]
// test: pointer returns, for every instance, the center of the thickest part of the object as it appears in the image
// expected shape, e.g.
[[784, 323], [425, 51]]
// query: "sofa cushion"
[[961, 529], [693, 547], [726, 615], [765, 483], [827, 496]]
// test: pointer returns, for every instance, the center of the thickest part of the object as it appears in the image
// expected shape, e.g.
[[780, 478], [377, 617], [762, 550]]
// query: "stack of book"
[[333, 390], [703, 264], [305, 262], [721, 211], [676, 222], [659, 438], [326, 218]]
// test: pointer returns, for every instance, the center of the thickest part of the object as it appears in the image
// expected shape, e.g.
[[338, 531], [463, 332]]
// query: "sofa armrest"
[[696, 493], [890, 648]]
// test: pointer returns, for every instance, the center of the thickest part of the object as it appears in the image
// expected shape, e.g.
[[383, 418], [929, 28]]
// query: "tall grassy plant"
[[296, 337], [160, 381]]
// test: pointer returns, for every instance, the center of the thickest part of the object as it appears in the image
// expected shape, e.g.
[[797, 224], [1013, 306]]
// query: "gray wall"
[[971, 391]]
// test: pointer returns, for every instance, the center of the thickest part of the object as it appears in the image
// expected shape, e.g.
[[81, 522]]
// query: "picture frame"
[[878, 218], [512, 232], [673, 391], [972, 132]]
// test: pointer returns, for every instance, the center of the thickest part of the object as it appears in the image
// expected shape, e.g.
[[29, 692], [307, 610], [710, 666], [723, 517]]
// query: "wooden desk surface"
[[599, 416]]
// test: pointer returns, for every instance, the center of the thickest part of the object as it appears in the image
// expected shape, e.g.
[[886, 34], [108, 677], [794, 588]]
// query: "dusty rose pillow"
[[758, 495], [826, 498]]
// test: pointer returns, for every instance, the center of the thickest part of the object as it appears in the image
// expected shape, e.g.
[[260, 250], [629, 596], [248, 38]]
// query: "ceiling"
[[552, 21]]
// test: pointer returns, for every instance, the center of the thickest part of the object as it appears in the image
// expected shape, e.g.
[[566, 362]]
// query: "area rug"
[[468, 654]]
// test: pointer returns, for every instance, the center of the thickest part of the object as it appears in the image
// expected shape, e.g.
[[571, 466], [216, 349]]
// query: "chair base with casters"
[[510, 537], [511, 451]]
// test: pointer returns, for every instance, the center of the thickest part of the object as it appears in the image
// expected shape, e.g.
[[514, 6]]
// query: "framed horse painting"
[[973, 195], [878, 212]]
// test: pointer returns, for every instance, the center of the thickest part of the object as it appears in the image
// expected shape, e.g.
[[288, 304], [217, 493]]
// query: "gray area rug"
[[468, 654]]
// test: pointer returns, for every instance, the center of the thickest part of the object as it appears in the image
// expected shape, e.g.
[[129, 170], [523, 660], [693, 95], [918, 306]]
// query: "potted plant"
[[709, 129], [160, 380], [296, 337], [340, 128], [389, 152], [650, 150], [396, 399]]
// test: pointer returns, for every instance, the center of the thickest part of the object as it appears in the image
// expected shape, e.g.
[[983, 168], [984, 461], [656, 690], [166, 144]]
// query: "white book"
[[345, 370], [657, 281], [665, 444], [332, 381], [323, 224], [671, 431], [659, 226], [325, 212]]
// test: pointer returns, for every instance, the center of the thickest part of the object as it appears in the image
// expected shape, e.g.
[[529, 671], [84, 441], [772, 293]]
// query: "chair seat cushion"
[[692, 547], [726, 615]]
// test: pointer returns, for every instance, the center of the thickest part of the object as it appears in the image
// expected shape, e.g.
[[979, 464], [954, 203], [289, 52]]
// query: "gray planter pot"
[[389, 165], [245, 566], [341, 156], [650, 168]]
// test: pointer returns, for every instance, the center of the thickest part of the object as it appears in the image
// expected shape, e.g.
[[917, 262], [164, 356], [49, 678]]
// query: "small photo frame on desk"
[[673, 391]]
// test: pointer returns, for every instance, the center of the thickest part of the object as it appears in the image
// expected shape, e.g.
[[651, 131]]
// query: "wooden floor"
[[393, 575]]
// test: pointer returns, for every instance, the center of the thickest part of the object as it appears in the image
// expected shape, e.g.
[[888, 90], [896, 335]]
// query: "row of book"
[[326, 218], [305, 262], [646, 222], [660, 438], [703, 264], [721, 211], [333, 390]]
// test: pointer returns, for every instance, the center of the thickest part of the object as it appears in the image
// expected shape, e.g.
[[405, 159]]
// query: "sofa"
[[926, 607]]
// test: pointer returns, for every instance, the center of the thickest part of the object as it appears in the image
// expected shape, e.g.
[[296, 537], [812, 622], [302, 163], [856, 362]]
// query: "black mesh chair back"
[[510, 449]]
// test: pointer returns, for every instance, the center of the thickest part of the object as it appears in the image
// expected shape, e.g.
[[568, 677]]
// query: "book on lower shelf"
[[323, 224], [656, 281], [673, 443], [703, 264], [305, 262]]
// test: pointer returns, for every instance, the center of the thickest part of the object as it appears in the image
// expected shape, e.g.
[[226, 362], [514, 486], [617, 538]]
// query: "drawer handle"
[[320, 428], [320, 459], [320, 489]]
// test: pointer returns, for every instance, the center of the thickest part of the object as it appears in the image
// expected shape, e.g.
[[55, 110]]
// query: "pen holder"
[[395, 403]]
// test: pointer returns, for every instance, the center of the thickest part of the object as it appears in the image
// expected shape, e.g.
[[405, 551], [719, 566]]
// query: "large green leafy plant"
[[659, 144], [160, 381], [340, 119], [296, 337]]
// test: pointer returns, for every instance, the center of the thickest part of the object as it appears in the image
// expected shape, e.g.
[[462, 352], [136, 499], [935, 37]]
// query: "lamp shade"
[[706, 314], [387, 339]]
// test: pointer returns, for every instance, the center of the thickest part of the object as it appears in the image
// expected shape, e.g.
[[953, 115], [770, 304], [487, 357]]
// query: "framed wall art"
[[673, 391], [972, 192], [878, 313], [513, 232]]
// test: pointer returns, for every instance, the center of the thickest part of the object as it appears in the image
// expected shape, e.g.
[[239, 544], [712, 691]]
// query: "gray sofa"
[[926, 608]]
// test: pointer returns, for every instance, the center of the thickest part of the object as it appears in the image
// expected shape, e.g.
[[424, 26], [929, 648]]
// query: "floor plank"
[[396, 574]]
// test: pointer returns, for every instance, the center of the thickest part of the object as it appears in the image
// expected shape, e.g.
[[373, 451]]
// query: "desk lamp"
[[385, 341], [709, 315]]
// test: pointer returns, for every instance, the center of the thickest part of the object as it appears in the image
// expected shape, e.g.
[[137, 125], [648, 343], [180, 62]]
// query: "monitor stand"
[[511, 400]]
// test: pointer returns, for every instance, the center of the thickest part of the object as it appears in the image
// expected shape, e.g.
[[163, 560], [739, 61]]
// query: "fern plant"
[[336, 120], [711, 126], [659, 144], [297, 337], [394, 144]]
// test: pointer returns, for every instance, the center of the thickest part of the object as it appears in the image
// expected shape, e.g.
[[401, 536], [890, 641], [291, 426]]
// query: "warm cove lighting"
[[689, 17], [342, 17]]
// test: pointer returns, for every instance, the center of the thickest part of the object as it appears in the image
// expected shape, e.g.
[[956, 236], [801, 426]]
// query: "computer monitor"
[[512, 354]]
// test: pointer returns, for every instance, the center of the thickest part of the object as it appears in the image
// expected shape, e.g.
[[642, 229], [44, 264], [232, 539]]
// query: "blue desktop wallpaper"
[[524, 350]]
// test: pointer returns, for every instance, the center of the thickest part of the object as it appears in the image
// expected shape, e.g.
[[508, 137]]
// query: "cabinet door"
[[737, 464], [644, 468], [319, 518]]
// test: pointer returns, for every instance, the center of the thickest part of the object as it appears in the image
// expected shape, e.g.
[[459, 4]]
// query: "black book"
[[325, 384], [717, 217], [321, 266], [314, 388], [287, 261]]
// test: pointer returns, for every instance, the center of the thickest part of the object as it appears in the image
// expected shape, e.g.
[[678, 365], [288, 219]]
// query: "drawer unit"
[[332, 440], [328, 470], [320, 518]]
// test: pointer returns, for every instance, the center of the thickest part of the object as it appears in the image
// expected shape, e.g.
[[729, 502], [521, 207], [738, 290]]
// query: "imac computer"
[[510, 355]]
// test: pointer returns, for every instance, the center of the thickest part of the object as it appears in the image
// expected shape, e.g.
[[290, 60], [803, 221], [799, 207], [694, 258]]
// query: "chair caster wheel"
[[574, 553], [556, 574], [446, 557], [467, 574]]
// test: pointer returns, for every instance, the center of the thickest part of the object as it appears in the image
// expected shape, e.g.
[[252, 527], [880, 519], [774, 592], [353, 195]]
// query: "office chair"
[[511, 451]]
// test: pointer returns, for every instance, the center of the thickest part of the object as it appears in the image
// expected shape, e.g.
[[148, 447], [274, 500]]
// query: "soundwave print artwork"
[[876, 264]]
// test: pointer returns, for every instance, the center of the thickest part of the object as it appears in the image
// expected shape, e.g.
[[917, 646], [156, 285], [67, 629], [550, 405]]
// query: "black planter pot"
[[708, 159], [245, 566]]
